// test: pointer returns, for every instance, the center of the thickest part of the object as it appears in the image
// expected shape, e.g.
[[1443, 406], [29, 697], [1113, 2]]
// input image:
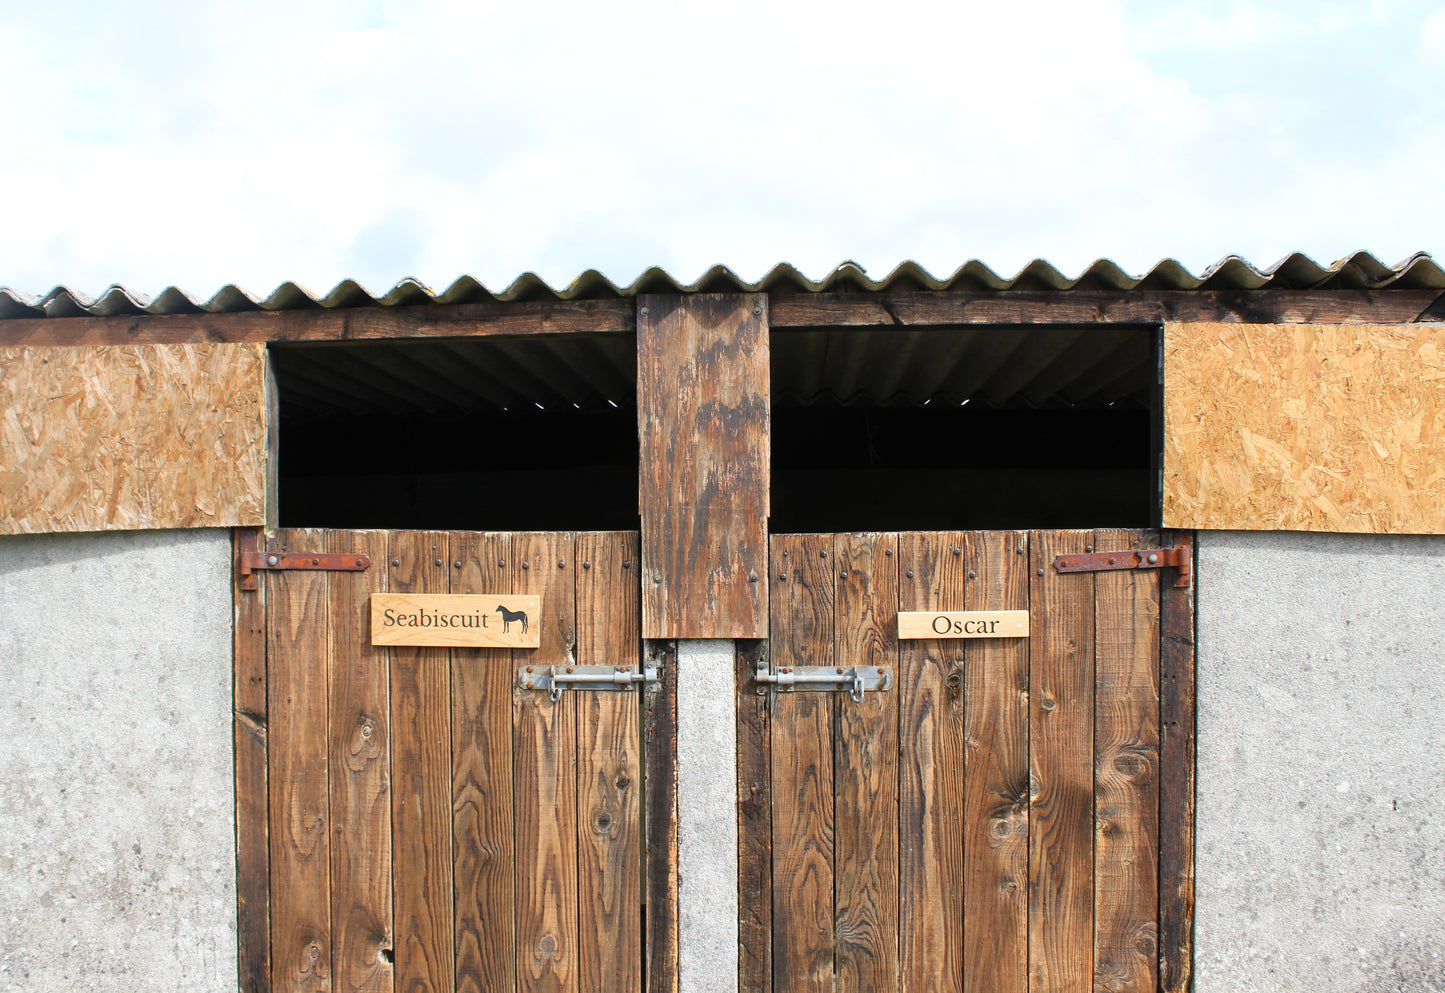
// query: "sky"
[[158, 143]]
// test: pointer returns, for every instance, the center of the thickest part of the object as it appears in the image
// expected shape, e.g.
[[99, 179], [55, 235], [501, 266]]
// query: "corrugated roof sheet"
[[1359, 271]]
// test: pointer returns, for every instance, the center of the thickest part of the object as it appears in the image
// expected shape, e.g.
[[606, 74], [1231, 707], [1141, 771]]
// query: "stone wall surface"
[[1321, 807], [117, 853]]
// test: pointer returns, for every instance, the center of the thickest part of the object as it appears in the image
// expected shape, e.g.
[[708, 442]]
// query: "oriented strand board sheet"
[[126, 437], [1305, 427]]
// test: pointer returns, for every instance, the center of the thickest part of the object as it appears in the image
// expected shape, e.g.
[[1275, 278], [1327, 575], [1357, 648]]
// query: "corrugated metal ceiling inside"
[[450, 377], [1091, 366]]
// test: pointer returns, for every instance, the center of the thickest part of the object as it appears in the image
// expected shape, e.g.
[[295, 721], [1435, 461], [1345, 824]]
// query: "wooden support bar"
[[1176, 785], [755, 824], [1093, 307], [659, 744], [703, 424], [253, 858], [468, 320]]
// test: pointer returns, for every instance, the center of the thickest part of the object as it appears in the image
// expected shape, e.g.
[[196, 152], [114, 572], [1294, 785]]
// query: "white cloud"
[[166, 143]]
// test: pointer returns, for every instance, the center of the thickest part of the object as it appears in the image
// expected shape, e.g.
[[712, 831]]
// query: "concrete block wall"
[[117, 853], [1321, 806]]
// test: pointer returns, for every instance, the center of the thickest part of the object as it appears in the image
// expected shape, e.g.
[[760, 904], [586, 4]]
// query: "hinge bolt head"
[[272, 560], [1153, 559]]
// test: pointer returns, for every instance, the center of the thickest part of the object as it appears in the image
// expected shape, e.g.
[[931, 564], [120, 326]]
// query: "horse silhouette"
[[508, 616]]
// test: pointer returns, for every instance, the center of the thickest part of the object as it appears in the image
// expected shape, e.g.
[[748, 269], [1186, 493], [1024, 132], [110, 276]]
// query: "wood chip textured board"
[[1305, 427], [132, 436]]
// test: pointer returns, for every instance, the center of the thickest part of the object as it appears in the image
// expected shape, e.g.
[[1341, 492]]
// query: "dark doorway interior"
[[965, 428], [478, 434]]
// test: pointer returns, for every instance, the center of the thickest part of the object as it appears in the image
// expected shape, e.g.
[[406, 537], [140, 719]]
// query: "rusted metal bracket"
[[252, 561], [1180, 557]]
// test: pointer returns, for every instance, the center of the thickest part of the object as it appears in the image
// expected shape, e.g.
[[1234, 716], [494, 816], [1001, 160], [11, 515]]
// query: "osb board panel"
[[127, 437], [1305, 428]]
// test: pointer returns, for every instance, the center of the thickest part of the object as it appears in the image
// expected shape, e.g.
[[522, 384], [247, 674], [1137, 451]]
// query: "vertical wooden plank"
[[421, 764], [802, 773], [755, 824], [360, 774], [996, 780], [1176, 781], [609, 774], [659, 742], [253, 857], [1061, 747], [930, 784], [545, 775], [703, 425], [482, 853], [296, 651], [1126, 767], [866, 775]]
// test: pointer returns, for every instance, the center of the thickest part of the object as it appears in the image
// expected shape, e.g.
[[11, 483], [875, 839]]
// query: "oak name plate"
[[456, 620], [919, 624]]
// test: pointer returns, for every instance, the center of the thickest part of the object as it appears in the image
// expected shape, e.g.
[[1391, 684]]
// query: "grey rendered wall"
[[1321, 831], [117, 858]]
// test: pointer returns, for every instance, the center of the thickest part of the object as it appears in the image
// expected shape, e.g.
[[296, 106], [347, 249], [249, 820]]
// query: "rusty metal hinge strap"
[[1180, 557], [252, 561]]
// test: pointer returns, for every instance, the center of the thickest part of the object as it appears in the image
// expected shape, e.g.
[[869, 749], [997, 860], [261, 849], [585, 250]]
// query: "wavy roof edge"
[[1295, 272]]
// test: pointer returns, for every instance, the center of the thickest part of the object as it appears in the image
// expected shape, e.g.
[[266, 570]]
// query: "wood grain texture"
[[609, 773], [421, 756], [802, 768], [755, 823], [866, 766], [297, 656], [1061, 808], [483, 862], [930, 787], [360, 775], [1126, 771], [1022, 307], [1176, 783], [996, 767], [249, 732], [545, 776], [703, 424], [1322, 428], [660, 759], [472, 320], [132, 437]]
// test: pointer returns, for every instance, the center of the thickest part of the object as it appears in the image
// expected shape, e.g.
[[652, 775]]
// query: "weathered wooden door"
[[995, 820], [409, 819]]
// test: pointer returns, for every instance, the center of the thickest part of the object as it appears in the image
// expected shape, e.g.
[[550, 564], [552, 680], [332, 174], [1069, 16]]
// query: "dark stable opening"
[[967, 428], [518, 434]]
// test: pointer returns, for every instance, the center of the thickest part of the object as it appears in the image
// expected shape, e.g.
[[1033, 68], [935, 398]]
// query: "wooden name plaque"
[[456, 620], [921, 624]]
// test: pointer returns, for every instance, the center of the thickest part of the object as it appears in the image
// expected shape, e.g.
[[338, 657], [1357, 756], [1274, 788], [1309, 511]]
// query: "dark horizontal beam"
[[916, 309], [1090, 307], [468, 320]]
